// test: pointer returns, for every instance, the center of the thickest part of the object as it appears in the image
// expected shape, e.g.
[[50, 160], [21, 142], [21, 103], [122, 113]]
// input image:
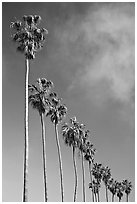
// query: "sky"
[[89, 56]]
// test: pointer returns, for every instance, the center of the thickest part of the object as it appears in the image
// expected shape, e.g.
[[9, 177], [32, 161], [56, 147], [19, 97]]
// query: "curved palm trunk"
[[26, 142], [91, 179], [83, 177], [75, 171], [44, 156], [106, 193], [60, 162]]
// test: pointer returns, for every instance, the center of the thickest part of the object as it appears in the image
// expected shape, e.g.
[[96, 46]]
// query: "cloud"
[[99, 47]]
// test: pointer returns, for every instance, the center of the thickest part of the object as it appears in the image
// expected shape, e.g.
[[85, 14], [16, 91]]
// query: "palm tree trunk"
[[98, 192], [112, 197], [75, 170], [98, 196], [26, 142], [91, 179], [83, 173], [60, 162], [95, 197], [44, 156], [127, 197], [106, 194]]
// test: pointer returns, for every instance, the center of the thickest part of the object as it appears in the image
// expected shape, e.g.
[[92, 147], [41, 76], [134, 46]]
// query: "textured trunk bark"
[[83, 177], [60, 162], [106, 194], [90, 173], [44, 156], [26, 142], [75, 172]]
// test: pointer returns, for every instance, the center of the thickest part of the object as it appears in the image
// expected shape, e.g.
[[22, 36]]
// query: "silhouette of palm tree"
[[106, 175], [83, 135], [39, 99], [56, 113], [112, 186], [70, 135], [127, 188], [89, 154], [30, 39], [120, 189], [97, 173]]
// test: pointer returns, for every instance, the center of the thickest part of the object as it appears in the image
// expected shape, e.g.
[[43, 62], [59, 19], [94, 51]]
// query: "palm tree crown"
[[89, 151], [112, 186], [120, 189], [106, 175], [39, 98], [70, 134], [57, 111], [127, 186], [29, 37]]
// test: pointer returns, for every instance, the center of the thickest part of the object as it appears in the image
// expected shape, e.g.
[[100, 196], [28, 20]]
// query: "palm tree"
[[39, 101], [97, 173], [89, 154], [106, 175], [95, 187], [127, 188], [70, 135], [120, 189], [29, 39], [57, 112], [82, 134], [112, 186]]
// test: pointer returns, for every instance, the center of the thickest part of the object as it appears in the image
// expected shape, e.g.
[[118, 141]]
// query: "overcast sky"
[[89, 55]]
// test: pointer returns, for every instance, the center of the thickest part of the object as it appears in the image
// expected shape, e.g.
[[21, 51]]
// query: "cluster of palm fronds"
[[42, 98]]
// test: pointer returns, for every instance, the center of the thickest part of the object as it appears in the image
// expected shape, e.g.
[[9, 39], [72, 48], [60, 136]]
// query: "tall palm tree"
[[112, 186], [127, 188], [120, 189], [70, 135], [39, 101], [29, 39], [89, 154], [82, 134], [106, 175], [57, 112]]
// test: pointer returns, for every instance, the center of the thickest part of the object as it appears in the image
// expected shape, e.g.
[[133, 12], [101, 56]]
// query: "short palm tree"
[[29, 39], [56, 113], [106, 175], [127, 188], [120, 189], [97, 173], [112, 186], [39, 101], [70, 135], [89, 154]]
